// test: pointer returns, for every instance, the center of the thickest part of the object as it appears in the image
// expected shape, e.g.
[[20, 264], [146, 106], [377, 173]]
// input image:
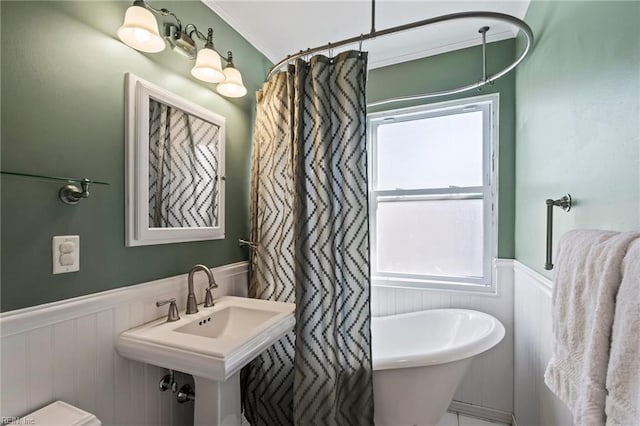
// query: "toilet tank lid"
[[60, 413]]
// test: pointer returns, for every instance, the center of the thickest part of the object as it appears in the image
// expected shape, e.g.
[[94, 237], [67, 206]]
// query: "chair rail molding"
[[26, 319]]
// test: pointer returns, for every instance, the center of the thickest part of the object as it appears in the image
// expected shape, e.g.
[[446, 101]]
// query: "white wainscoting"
[[534, 403], [489, 381], [65, 350]]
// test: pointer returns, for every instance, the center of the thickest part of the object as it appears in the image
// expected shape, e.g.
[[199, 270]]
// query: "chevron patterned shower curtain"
[[183, 168], [309, 217]]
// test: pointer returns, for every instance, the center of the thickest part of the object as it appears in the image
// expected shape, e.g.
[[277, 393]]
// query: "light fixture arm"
[[229, 59], [197, 32], [163, 11], [208, 39]]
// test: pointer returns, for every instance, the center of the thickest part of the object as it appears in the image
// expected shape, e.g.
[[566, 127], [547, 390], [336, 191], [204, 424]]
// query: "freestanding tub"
[[420, 358]]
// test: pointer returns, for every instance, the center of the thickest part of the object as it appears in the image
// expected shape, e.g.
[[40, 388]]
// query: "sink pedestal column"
[[217, 403]]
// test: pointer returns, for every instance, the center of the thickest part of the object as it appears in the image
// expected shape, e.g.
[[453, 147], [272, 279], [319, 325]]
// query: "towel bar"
[[565, 204]]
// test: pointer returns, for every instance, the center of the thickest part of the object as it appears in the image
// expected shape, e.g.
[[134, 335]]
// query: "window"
[[432, 195]]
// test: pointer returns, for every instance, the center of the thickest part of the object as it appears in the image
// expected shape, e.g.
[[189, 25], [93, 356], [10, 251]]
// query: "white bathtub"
[[420, 358]]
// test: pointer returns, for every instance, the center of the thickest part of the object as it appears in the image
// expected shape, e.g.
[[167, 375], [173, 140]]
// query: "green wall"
[[578, 121], [63, 114], [455, 69]]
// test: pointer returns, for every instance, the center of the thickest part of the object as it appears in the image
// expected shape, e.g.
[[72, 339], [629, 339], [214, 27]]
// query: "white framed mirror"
[[175, 163]]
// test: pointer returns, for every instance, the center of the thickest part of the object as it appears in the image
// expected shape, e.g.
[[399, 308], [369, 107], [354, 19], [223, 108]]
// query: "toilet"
[[60, 413]]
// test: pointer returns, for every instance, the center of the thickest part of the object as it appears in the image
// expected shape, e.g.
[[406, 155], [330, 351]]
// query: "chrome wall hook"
[[72, 194], [244, 243]]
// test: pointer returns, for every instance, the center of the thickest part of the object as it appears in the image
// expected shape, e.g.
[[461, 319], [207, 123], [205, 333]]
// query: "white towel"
[[623, 375], [587, 278]]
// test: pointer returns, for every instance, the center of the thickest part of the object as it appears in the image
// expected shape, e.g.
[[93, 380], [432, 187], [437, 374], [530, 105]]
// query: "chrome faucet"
[[192, 305], [208, 297]]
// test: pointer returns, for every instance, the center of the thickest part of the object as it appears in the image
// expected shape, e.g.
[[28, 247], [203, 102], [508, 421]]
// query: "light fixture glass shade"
[[232, 86], [208, 66], [140, 30]]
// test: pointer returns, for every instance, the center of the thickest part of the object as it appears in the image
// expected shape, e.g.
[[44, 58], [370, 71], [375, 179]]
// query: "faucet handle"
[[208, 297], [173, 309]]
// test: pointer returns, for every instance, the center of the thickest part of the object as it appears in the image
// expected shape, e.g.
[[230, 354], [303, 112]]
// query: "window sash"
[[457, 193], [484, 195]]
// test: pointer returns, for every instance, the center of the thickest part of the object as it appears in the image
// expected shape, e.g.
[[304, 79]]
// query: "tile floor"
[[449, 419], [455, 419]]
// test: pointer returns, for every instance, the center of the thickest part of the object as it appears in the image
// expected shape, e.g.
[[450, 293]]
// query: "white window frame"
[[488, 192]]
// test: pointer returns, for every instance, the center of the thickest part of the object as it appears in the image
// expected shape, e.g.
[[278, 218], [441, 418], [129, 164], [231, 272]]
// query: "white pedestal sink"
[[212, 345]]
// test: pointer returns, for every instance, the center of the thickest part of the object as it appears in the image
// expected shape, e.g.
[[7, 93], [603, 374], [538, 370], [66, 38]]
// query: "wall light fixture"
[[232, 86], [140, 31]]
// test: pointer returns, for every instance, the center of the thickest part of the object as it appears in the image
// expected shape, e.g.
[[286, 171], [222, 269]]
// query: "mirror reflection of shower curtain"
[[309, 218], [183, 169]]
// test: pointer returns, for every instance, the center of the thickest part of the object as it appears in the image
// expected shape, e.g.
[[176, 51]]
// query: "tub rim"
[[455, 353]]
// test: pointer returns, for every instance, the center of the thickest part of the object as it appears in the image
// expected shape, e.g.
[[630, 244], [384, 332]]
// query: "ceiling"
[[280, 28]]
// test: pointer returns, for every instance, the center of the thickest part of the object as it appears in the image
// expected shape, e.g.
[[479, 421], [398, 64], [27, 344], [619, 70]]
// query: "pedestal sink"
[[212, 345]]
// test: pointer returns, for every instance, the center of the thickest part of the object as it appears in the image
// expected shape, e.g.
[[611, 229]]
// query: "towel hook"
[[245, 243], [565, 203]]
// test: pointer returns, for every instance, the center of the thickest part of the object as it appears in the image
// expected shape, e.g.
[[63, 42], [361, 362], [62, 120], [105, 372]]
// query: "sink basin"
[[214, 343], [230, 321]]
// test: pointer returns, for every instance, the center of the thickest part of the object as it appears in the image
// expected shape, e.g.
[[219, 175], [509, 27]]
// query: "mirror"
[[175, 167]]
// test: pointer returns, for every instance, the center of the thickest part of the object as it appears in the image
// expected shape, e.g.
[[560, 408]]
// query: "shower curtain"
[[183, 168], [309, 218]]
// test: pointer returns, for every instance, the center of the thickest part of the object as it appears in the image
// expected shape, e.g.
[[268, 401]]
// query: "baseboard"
[[481, 412]]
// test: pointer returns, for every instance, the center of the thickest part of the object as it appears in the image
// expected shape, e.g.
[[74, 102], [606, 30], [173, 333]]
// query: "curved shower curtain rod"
[[486, 79]]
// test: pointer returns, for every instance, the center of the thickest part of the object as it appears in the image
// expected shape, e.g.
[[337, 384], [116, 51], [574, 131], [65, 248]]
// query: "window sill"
[[441, 286]]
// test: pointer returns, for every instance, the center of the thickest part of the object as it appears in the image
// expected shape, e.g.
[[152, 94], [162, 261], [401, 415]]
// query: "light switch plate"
[[66, 253]]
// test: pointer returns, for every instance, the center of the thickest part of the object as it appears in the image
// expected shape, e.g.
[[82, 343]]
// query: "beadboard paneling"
[[489, 381], [65, 350], [534, 403]]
